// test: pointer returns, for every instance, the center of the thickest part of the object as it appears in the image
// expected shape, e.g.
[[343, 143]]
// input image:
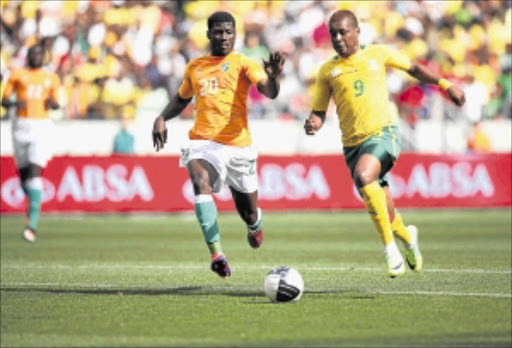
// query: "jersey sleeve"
[[11, 83], [394, 58], [322, 92], [253, 70], [186, 91]]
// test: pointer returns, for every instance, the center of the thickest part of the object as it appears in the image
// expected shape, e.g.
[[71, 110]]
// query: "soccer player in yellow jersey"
[[220, 149], [356, 79], [36, 92]]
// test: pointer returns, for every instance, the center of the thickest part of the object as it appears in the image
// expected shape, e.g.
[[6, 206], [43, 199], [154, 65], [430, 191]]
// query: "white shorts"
[[32, 141], [235, 165]]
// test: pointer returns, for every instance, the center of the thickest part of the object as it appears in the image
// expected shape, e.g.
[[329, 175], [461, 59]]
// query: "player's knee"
[[201, 182], [24, 174], [363, 178], [34, 171]]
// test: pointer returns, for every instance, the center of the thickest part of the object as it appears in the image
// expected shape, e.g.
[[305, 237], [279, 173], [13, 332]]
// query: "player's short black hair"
[[338, 15], [34, 46], [220, 17]]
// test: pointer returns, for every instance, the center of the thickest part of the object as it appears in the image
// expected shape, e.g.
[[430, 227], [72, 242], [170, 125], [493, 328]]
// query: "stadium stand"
[[123, 59]]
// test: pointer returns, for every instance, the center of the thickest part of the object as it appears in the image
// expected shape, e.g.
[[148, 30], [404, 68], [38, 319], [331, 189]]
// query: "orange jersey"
[[220, 86], [33, 86]]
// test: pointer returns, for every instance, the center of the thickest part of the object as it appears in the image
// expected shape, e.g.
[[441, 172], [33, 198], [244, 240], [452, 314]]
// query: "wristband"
[[444, 84]]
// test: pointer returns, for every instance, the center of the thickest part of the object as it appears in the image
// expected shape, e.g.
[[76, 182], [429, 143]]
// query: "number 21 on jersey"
[[209, 86]]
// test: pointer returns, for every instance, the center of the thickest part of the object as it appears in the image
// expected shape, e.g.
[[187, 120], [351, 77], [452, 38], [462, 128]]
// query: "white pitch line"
[[376, 269], [127, 287], [443, 293], [70, 285], [249, 267]]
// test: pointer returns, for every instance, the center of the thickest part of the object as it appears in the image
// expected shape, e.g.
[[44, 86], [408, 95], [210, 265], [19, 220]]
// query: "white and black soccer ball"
[[283, 284]]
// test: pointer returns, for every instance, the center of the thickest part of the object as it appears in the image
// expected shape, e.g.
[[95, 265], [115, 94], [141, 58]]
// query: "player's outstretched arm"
[[273, 67], [173, 109], [424, 75], [314, 122]]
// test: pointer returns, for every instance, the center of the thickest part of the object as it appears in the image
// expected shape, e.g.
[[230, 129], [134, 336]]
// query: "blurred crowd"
[[125, 59]]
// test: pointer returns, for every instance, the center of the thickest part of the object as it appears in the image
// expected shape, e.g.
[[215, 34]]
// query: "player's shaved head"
[[342, 14], [344, 31]]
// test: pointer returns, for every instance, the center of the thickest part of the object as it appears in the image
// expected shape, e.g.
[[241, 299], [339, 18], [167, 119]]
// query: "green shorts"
[[385, 145]]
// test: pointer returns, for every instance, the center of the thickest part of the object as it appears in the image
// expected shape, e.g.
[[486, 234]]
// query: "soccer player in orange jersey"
[[220, 149], [36, 92], [356, 79]]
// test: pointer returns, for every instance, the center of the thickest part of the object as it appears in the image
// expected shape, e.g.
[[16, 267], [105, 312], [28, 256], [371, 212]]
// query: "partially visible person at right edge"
[[36, 93], [356, 79]]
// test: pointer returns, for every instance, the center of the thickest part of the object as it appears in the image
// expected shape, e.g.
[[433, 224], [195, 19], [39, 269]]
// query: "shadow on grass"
[[355, 296], [182, 291], [185, 291]]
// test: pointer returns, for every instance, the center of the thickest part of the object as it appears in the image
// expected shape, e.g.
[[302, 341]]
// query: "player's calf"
[[255, 232]]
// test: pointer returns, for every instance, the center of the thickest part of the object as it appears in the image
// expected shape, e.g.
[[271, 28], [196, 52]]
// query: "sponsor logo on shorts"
[[185, 153]]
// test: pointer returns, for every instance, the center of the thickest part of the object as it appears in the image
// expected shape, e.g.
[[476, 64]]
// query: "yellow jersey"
[[358, 87], [33, 86], [220, 85]]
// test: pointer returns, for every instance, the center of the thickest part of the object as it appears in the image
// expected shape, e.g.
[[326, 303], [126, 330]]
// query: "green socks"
[[257, 225], [34, 187], [206, 213]]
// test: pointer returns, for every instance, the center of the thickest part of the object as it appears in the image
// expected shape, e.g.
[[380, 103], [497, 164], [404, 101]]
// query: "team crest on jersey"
[[225, 67], [335, 72], [372, 65], [346, 70]]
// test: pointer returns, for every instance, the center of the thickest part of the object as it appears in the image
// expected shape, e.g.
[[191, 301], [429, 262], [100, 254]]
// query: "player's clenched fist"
[[456, 95], [313, 123], [159, 133]]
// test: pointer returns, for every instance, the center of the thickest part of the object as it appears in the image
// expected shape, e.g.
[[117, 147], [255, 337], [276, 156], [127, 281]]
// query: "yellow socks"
[[399, 228], [375, 201]]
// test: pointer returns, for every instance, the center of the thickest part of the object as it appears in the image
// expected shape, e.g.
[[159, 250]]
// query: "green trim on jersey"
[[358, 86]]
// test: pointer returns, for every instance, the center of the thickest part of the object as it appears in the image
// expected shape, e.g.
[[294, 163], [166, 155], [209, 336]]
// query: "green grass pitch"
[[145, 281]]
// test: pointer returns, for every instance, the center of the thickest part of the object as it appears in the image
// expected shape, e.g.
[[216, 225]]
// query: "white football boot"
[[395, 261], [412, 250]]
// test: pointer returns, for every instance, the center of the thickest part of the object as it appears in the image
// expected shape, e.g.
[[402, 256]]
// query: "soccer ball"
[[283, 284]]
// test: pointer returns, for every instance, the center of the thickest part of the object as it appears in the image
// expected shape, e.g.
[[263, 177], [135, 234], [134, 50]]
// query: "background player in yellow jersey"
[[36, 92], [220, 149], [356, 79]]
